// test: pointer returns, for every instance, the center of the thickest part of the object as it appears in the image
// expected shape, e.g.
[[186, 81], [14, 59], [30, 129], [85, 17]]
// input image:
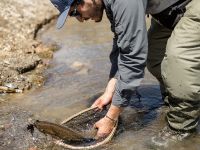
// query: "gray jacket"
[[130, 45]]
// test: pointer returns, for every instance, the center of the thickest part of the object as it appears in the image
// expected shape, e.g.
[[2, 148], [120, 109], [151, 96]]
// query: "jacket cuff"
[[121, 99]]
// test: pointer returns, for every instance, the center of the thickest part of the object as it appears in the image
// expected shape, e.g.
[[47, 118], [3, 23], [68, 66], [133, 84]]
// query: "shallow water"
[[77, 75]]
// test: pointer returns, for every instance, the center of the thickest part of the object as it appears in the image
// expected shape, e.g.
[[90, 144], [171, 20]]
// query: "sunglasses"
[[75, 13]]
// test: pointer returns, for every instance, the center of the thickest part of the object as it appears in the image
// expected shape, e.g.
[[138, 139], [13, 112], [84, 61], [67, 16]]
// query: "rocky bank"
[[23, 57]]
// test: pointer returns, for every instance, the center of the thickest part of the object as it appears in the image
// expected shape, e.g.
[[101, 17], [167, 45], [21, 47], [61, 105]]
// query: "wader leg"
[[181, 70], [157, 38]]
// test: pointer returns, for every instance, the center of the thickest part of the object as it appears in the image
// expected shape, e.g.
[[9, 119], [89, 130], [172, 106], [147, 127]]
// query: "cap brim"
[[62, 18]]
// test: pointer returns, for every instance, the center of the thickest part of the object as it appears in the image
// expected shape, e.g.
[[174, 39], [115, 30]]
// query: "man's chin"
[[98, 19]]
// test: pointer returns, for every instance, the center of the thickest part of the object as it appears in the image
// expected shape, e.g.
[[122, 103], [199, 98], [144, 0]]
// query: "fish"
[[58, 131]]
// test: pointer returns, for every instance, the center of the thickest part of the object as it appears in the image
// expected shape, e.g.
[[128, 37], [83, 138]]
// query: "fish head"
[[30, 128], [43, 127]]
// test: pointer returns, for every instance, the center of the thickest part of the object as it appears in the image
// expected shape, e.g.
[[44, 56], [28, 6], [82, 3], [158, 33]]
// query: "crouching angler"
[[170, 49]]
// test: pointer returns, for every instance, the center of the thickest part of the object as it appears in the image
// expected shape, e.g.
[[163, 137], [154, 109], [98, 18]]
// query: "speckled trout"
[[61, 132]]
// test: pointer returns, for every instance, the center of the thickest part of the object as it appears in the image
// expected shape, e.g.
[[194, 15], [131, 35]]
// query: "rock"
[[77, 65], [83, 71], [23, 62], [81, 68], [5, 126], [10, 85], [19, 23]]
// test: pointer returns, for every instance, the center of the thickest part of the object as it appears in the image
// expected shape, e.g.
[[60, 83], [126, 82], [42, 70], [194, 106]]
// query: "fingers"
[[98, 134], [98, 104], [95, 126], [102, 130], [101, 134], [94, 105]]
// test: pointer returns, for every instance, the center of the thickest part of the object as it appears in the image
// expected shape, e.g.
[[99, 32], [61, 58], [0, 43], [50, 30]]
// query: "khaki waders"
[[174, 59]]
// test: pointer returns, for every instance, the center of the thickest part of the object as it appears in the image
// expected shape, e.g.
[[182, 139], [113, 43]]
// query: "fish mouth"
[[30, 128]]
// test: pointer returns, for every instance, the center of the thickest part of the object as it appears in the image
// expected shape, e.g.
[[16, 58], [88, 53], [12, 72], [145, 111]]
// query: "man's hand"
[[104, 126], [102, 101], [106, 98]]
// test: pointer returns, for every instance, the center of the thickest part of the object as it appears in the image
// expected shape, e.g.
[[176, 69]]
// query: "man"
[[173, 56]]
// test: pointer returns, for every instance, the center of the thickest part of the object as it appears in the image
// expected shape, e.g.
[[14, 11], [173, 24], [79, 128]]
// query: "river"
[[76, 76]]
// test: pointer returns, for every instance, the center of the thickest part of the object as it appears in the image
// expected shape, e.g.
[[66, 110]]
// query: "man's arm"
[[130, 29]]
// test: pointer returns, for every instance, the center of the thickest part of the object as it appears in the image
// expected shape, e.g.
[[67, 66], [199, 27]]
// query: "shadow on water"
[[142, 106], [76, 77]]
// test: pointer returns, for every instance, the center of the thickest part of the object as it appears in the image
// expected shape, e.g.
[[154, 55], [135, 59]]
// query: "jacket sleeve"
[[132, 44], [114, 59]]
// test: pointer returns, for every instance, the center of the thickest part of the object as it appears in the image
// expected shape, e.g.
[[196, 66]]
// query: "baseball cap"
[[63, 6]]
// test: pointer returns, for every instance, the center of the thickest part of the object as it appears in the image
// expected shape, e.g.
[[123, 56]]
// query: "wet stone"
[[23, 63], [13, 133]]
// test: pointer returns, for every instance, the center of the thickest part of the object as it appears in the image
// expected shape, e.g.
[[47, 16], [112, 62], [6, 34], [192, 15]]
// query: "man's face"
[[89, 9]]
